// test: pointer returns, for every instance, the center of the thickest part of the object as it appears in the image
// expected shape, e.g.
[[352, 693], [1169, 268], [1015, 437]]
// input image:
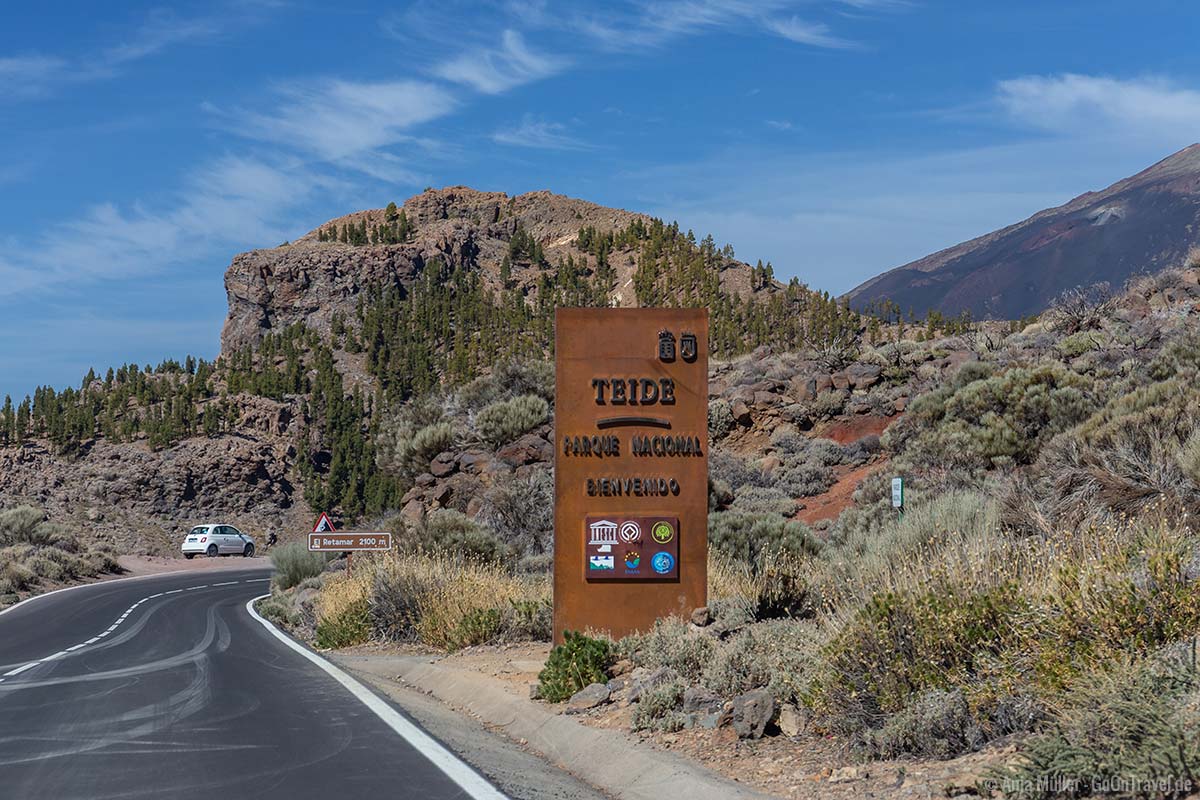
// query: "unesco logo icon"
[[631, 532], [662, 563]]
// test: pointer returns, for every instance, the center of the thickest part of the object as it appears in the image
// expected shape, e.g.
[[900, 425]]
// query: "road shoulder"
[[626, 768]]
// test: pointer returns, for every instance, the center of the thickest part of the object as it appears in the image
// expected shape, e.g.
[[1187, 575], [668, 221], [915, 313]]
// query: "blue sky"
[[142, 148]]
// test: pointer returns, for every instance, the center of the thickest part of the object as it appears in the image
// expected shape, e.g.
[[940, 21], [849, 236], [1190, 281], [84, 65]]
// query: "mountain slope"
[[1141, 224]]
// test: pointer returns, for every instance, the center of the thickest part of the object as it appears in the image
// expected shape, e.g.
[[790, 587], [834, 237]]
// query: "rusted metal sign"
[[349, 541], [631, 467]]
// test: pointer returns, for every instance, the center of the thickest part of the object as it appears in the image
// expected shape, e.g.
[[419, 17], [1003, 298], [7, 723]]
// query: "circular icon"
[[662, 532], [662, 563], [631, 532], [632, 559]]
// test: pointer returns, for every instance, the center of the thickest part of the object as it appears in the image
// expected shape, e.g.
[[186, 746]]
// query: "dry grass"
[[441, 600]]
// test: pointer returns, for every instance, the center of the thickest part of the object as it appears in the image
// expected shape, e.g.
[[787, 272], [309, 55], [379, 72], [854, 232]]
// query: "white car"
[[217, 540]]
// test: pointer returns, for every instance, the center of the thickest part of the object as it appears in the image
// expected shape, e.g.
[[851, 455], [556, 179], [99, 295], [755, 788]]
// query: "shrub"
[[657, 709], [903, 644], [510, 379], [350, 626], [670, 643], [448, 602], [454, 533], [405, 448], [28, 525], [294, 562], [936, 724], [503, 421], [520, 512], [748, 537], [578, 662], [988, 422], [1135, 724], [278, 610], [764, 500], [720, 419]]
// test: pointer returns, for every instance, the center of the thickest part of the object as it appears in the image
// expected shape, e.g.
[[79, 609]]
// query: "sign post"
[[324, 539], [898, 495], [630, 468]]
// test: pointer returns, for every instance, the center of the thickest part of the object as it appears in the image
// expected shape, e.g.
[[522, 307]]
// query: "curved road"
[[168, 687]]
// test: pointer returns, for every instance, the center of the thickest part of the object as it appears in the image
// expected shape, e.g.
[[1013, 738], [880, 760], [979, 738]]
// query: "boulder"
[[529, 449], [698, 700], [425, 479], [765, 399], [741, 414], [474, 461], [588, 697], [840, 380], [751, 713], [791, 722], [822, 383], [863, 376], [701, 616], [443, 464], [804, 389], [743, 394]]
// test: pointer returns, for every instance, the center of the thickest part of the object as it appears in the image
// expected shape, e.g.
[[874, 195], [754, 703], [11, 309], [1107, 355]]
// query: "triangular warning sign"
[[323, 524]]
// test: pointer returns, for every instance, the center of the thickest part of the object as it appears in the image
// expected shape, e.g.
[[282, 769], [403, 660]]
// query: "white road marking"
[[19, 670], [470, 781], [110, 629]]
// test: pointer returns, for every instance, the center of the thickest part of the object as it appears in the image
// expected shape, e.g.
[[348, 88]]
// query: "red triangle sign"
[[323, 524]]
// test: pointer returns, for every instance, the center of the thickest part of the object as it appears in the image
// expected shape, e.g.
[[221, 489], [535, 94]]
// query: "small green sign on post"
[[898, 495]]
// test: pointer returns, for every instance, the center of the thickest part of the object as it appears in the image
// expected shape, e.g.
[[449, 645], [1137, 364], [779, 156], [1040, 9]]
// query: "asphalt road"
[[168, 687]]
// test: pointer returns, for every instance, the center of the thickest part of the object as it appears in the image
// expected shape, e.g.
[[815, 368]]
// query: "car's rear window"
[[197, 531]]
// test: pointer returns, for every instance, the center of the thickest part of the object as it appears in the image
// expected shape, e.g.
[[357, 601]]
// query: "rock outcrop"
[[310, 281]]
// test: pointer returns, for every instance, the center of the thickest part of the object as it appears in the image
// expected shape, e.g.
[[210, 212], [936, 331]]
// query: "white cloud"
[[159, 32], [651, 23], [231, 201], [498, 69], [1091, 105], [536, 133], [30, 75], [816, 34], [337, 120]]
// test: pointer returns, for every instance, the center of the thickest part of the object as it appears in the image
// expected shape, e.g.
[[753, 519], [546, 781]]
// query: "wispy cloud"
[[337, 120], [498, 69], [653, 23], [36, 74], [537, 133], [30, 75], [816, 34], [780, 124], [228, 201], [1072, 104]]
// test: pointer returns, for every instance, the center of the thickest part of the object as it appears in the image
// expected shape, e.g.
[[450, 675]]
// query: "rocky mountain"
[[1141, 224], [283, 421], [311, 281]]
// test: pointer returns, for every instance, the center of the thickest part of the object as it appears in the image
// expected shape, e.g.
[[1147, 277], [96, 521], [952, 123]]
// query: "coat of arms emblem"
[[687, 347], [666, 346]]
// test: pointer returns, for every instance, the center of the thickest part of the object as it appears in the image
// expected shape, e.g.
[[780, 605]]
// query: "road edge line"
[[457, 770]]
